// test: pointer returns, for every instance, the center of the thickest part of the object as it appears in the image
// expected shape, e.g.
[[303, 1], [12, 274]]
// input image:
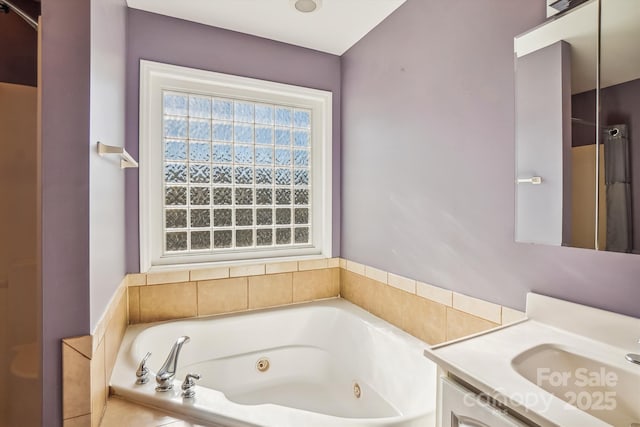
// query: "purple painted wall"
[[174, 41], [65, 188], [107, 230], [428, 161]]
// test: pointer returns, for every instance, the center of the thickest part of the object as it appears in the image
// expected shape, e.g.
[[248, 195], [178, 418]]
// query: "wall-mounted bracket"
[[126, 161]]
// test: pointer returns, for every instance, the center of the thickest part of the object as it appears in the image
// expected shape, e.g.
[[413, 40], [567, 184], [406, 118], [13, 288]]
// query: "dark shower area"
[[19, 52], [619, 105], [20, 289]]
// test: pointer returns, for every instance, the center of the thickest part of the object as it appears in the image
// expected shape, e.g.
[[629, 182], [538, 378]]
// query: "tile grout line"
[[79, 352], [291, 278], [139, 305], [197, 297], [77, 416], [446, 324], [128, 304], [246, 283]]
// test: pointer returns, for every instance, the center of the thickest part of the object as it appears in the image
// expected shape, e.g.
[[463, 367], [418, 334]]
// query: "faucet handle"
[[189, 385], [142, 373]]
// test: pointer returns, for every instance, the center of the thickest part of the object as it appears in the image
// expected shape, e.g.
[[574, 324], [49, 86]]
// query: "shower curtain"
[[618, 183]]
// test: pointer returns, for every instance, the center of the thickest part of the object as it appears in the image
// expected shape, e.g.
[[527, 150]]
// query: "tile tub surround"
[[87, 363], [88, 360], [430, 313], [427, 312], [192, 293]]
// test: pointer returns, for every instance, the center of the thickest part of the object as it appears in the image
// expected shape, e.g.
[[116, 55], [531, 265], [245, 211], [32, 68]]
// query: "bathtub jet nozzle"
[[166, 374]]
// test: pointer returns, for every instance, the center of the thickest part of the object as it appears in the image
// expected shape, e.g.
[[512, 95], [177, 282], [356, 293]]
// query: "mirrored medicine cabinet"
[[578, 128]]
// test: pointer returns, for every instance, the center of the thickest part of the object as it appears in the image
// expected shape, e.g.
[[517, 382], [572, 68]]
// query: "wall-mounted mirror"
[[574, 168], [620, 120]]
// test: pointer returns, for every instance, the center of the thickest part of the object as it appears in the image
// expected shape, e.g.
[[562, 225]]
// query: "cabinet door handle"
[[462, 421], [535, 180]]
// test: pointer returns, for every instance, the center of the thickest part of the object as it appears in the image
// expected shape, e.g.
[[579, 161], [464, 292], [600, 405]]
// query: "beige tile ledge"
[[356, 267], [171, 301], [434, 293], [510, 315], [161, 278], [479, 308], [183, 274], [375, 274], [475, 306], [209, 274], [83, 345], [282, 267], [402, 283], [136, 279]]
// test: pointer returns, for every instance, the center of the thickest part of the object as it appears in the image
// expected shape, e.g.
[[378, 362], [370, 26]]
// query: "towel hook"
[[126, 161]]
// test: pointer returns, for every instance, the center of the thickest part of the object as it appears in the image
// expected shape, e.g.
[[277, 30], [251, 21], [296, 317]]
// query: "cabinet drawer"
[[460, 407]]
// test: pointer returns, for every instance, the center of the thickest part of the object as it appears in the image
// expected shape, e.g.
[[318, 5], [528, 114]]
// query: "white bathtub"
[[317, 352]]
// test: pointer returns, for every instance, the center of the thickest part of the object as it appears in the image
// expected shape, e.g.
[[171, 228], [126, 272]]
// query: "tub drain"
[[357, 391], [262, 365]]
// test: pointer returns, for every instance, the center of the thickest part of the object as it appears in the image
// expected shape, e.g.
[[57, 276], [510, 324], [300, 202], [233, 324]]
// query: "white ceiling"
[[334, 27]]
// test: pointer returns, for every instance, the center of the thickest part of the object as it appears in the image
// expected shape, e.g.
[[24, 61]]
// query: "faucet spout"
[[166, 374], [633, 358]]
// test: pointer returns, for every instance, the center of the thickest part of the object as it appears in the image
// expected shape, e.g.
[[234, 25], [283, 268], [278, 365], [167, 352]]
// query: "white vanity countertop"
[[485, 360]]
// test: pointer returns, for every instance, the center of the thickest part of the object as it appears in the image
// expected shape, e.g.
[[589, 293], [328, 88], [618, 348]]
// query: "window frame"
[[157, 77]]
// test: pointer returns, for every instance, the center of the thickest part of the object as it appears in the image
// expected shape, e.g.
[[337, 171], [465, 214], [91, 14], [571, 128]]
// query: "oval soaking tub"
[[325, 363]]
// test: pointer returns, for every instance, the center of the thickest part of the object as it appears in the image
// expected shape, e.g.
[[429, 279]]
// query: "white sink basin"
[[563, 366], [607, 392]]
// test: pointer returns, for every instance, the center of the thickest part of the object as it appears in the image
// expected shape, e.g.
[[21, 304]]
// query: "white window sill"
[[227, 264]]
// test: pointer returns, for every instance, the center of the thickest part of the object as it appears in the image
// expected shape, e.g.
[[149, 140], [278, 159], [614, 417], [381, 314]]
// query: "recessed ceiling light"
[[306, 6]]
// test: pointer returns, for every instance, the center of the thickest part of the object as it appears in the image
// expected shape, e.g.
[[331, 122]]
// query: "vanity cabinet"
[[461, 407]]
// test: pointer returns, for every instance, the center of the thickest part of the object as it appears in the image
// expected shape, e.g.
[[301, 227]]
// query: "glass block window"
[[232, 168], [237, 174]]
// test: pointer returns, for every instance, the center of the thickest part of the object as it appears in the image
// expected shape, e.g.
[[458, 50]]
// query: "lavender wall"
[[173, 41], [107, 213], [428, 161], [65, 188]]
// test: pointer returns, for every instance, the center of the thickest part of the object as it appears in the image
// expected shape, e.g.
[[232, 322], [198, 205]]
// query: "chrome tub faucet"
[[634, 358], [189, 386], [166, 374], [142, 373]]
